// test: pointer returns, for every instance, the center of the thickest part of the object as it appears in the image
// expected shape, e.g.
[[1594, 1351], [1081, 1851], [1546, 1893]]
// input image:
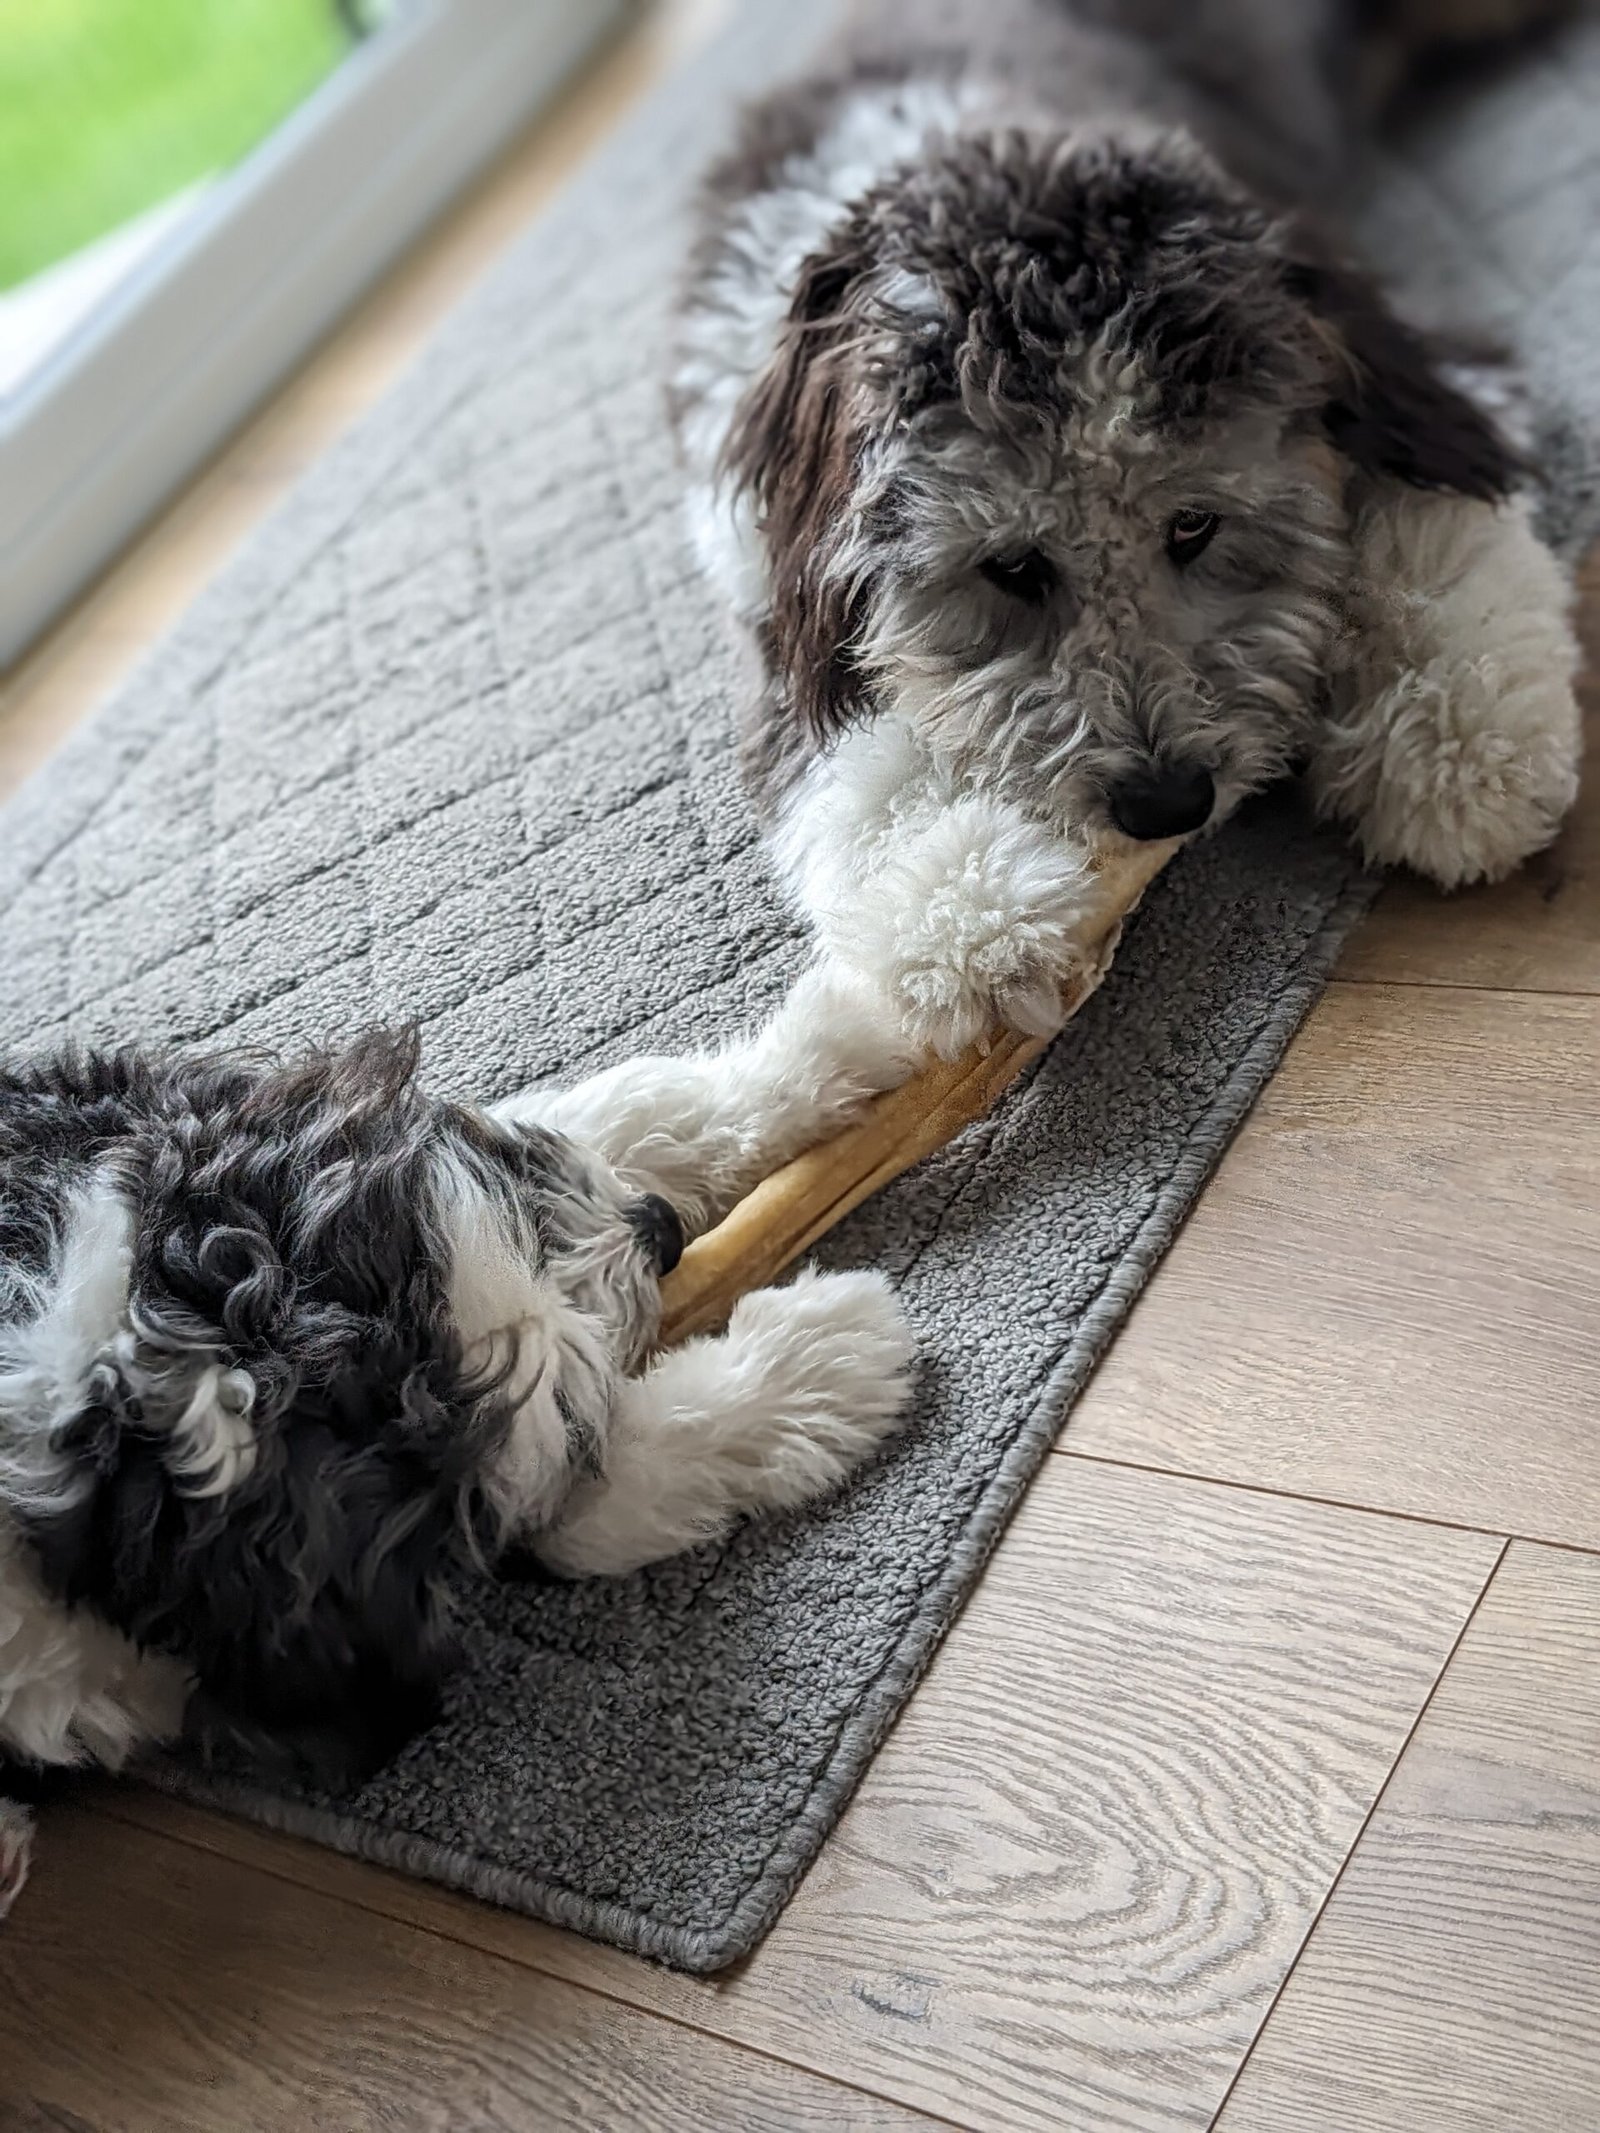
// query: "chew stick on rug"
[[787, 1212]]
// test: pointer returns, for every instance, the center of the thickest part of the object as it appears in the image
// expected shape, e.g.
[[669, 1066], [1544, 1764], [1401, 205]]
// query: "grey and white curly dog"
[[1073, 483], [288, 1351]]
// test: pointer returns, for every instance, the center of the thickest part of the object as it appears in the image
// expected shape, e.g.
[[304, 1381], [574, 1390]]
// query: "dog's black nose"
[[1167, 800], [660, 1231]]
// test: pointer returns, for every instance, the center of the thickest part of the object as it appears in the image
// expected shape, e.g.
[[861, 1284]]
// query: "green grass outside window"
[[109, 106]]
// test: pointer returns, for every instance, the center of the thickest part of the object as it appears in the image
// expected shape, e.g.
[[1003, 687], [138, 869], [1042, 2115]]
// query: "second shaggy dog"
[[285, 1352]]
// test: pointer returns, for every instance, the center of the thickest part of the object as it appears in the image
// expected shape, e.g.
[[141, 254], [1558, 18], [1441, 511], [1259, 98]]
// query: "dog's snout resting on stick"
[[1072, 483]]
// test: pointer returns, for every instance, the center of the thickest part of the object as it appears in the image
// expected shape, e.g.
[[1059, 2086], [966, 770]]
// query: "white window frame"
[[162, 371]]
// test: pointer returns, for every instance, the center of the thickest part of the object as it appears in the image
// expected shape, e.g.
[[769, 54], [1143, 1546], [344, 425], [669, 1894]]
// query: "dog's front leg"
[[807, 1381], [702, 1130], [961, 910], [1454, 737]]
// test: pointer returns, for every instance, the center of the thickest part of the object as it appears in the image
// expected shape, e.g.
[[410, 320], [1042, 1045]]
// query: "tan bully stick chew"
[[789, 1211]]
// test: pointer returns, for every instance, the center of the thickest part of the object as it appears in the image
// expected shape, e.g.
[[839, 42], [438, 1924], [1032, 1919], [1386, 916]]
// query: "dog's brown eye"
[[1190, 533], [1029, 577]]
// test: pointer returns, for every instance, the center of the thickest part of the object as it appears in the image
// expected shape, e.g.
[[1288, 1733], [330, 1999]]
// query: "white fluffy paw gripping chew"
[[787, 1212]]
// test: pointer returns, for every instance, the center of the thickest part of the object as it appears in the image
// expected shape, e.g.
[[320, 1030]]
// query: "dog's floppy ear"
[[1392, 410], [795, 448]]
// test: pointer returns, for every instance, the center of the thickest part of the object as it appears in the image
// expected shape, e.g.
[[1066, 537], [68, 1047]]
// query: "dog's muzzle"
[[660, 1231]]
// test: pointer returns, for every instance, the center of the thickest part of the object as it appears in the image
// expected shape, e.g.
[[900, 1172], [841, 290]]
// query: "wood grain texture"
[[1086, 1856], [1453, 1984], [1389, 1293], [1540, 931], [148, 1988]]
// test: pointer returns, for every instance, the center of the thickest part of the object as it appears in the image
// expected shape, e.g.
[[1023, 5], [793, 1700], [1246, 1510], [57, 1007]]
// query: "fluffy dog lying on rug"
[[283, 1350], [1068, 480]]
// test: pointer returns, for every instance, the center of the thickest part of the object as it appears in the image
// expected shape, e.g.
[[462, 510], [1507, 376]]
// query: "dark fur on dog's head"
[[1052, 457], [281, 1451]]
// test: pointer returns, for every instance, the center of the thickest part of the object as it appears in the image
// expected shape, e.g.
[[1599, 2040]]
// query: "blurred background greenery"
[[109, 107]]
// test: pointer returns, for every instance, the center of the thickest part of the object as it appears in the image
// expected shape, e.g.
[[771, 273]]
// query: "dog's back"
[[1278, 89]]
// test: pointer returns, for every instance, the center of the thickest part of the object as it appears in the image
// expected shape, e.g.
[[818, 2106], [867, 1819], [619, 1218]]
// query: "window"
[[191, 191]]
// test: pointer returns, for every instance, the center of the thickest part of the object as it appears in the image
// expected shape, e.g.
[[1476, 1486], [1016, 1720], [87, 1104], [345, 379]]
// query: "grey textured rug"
[[452, 741]]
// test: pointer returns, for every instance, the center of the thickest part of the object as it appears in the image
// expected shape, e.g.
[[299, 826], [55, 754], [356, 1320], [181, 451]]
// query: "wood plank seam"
[[1517, 992], [1064, 1449], [105, 1810], [1338, 983], [1378, 1798]]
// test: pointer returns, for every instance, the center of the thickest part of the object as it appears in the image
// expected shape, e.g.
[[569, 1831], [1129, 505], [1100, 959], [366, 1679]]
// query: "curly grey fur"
[[242, 1422]]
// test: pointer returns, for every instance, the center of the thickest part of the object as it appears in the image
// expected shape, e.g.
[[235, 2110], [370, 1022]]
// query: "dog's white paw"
[[1454, 739], [828, 1360], [805, 1384], [975, 920], [16, 1851], [1474, 776]]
